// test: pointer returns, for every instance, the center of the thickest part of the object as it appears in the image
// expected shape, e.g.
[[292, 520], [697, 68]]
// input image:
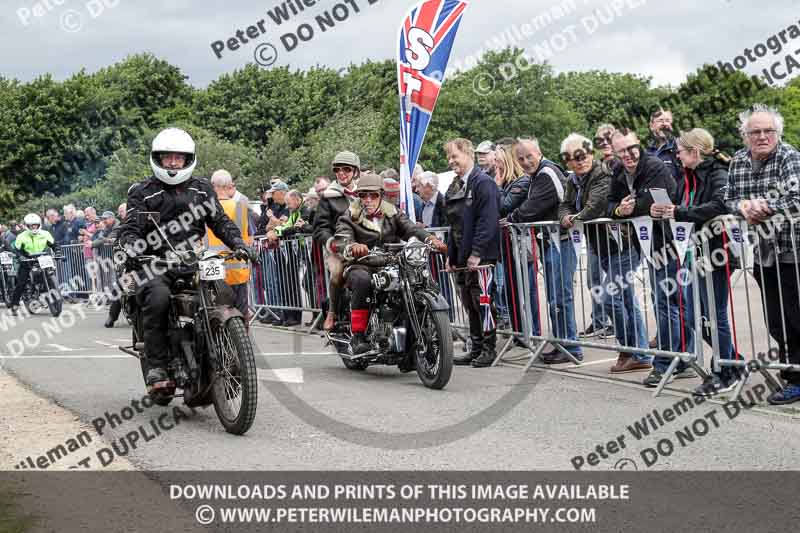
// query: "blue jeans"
[[536, 326], [602, 309], [669, 302], [719, 280], [271, 275], [559, 274], [629, 325]]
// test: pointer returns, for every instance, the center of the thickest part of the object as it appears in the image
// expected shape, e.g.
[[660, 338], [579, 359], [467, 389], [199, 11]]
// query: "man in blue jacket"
[[473, 204]]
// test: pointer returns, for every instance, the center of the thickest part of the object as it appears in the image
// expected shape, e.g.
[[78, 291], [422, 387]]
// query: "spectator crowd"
[[610, 174]]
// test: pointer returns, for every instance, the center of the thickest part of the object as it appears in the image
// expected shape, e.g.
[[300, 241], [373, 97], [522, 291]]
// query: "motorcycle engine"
[[387, 279]]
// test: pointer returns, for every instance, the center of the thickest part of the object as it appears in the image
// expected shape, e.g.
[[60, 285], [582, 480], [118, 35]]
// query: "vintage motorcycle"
[[408, 321], [41, 288], [7, 276], [206, 333]]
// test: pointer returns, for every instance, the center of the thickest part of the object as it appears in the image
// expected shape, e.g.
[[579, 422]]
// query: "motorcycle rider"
[[335, 201], [187, 204], [371, 222], [33, 240]]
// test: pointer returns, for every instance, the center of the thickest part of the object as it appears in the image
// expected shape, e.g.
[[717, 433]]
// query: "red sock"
[[358, 320]]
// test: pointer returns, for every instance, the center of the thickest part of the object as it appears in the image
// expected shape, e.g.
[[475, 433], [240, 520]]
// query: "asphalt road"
[[313, 414]]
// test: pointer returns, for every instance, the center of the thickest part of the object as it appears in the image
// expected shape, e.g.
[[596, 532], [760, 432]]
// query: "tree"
[[790, 109], [604, 97], [713, 101]]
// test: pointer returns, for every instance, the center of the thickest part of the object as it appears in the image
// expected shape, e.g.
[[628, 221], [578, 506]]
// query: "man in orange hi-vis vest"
[[237, 273]]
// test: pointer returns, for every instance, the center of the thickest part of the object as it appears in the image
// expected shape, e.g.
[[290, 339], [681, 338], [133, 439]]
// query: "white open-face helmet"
[[173, 140], [32, 219]]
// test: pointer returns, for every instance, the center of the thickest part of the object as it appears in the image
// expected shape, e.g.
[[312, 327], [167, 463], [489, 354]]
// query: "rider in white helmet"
[[186, 204], [34, 240]]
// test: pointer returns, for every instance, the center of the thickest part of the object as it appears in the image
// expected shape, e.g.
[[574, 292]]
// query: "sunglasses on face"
[[346, 170], [632, 151], [579, 156], [369, 195], [602, 141]]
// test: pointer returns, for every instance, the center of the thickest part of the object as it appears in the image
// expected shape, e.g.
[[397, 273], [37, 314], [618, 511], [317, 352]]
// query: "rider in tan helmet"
[[334, 202], [371, 221]]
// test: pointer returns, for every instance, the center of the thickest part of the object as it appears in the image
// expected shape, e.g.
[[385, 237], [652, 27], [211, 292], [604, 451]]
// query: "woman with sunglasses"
[[370, 222], [602, 141], [335, 201], [586, 198]]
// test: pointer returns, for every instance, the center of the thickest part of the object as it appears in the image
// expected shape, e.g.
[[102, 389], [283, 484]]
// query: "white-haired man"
[[431, 212], [764, 188]]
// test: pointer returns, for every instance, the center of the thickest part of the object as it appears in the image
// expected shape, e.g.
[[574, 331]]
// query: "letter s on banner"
[[417, 53], [426, 38]]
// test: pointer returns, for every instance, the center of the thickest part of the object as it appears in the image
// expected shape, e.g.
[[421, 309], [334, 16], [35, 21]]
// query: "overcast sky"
[[665, 40]]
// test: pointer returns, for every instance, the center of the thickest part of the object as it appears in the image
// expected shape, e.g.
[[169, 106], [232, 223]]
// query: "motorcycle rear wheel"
[[31, 300], [435, 366], [235, 389]]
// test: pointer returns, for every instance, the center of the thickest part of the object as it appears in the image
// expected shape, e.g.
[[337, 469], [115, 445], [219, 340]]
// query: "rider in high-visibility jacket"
[[33, 240], [237, 273]]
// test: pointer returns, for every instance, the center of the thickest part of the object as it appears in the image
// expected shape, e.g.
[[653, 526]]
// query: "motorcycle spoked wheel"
[[30, 299], [54, 300], [235, 389], [435, 365]]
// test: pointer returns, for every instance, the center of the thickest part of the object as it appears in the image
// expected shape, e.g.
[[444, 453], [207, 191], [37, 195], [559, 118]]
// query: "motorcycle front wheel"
[[235, 389], [54, 301], [435, 364]]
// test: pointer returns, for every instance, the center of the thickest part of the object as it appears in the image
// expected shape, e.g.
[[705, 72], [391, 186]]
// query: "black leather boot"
[[474, 353], [489, 352]]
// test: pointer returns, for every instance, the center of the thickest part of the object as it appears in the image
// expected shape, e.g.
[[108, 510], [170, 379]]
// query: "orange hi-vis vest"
[[236, 272]]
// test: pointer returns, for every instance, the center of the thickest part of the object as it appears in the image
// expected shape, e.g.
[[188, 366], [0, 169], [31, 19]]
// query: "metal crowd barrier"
[[291, 277], [612, 293], [605, 273], [770, 263]]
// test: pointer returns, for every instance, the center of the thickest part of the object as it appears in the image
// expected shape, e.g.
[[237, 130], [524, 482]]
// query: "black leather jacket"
[[193, 201]]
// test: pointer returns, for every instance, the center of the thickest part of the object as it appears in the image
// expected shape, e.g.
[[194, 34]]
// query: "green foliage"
[[623, 100], [790, 109], [711, 101], [86, 139]]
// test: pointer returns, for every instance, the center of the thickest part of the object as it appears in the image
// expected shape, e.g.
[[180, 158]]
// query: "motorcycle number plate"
[[212, 269], [5, 259], [46, 261]]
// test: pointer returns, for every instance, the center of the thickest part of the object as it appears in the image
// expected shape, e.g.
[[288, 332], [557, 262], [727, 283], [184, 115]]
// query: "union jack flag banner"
[[485, 281], [426, 39]]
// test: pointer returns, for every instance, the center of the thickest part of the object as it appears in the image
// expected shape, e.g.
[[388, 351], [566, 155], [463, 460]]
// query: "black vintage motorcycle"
[[41, 289], [206, 333], [408, 322]]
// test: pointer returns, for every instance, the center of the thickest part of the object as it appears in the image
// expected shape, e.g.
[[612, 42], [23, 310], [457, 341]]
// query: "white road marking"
[[61, 348], [285, 375], [106, 344]]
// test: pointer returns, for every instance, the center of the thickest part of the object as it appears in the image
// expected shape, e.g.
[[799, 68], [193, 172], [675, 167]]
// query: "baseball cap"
[[485, 147]]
